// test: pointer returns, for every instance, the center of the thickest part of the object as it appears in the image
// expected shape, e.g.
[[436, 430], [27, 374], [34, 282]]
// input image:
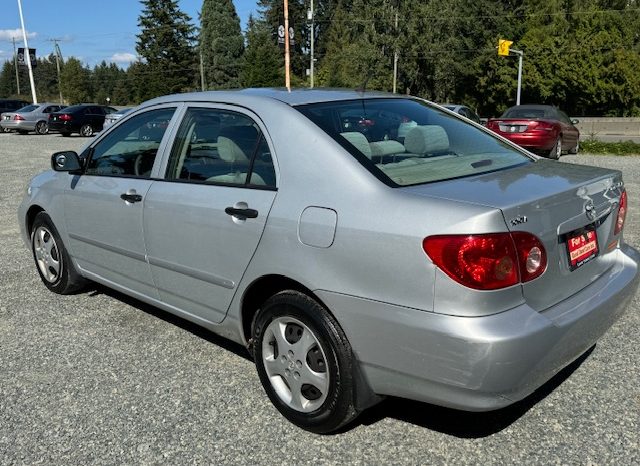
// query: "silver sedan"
[[358, 244], [30, 118]]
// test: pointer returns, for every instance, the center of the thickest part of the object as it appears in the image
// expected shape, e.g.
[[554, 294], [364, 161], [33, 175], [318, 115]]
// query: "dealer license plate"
[[582, 247]]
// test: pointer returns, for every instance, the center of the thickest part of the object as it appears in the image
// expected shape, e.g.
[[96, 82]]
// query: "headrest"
[[427, 139], [389, 147], [359, 141], [237, 143]]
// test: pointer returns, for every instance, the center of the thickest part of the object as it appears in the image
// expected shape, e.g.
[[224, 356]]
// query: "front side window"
[[131, 148], [405, 141], [220, 147]]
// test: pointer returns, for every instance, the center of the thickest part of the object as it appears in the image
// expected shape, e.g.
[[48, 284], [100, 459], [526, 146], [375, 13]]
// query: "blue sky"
[[91, 30]]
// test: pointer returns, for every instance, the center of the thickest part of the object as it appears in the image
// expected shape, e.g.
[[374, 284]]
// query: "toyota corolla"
[[358, 244]]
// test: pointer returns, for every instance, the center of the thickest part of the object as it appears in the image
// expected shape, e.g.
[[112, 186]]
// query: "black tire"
[[576, 149], [42, 127], [330, 357], [86, 130], [47, 249], [556, 152]]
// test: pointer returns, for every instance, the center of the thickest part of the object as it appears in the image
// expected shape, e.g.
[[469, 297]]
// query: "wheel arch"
[[262, 289], [31, 216]]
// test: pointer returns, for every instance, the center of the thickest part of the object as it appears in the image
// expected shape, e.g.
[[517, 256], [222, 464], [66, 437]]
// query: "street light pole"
[[28, 57], [520, 54], [287, 62]]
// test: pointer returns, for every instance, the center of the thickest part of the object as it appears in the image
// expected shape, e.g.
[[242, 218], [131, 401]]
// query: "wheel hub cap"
[[47, 255]]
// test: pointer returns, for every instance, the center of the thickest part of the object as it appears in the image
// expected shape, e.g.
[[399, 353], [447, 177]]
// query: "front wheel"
[[51, 258], [575, 149], [86, 130], [305, 362]]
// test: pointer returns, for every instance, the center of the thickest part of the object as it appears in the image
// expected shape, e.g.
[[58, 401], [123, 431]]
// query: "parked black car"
[[85, 119], [10, 105]]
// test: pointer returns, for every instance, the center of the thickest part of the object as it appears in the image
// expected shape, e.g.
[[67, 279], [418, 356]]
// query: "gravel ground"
[[101, 378]]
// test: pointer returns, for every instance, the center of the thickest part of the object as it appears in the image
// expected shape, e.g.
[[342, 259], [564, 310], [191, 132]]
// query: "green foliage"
[[221, 44], [76, 82], [592, 146], [262, 65], [165, 44]]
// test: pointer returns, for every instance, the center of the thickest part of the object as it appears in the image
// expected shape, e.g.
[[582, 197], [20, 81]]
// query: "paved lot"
[[101, 378]]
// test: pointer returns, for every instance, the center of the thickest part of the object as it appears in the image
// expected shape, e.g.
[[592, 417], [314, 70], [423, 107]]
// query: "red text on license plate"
[[582, 248]]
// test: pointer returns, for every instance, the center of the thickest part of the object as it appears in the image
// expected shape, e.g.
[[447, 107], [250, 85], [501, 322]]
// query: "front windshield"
[[406, 142]]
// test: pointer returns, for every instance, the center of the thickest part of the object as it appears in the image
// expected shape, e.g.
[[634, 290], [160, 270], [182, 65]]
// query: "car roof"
[[293, 97]]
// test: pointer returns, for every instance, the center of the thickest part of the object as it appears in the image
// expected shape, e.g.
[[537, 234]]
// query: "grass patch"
[[591, 146]]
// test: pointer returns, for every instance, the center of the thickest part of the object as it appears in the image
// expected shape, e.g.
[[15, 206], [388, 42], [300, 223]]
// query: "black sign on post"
[[32, 55], [292, 40]]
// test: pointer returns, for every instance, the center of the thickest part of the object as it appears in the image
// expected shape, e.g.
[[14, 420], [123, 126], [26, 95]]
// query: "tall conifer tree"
[[221, 44]]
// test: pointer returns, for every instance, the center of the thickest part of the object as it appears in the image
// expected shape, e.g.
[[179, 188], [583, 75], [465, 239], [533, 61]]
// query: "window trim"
[[228, 108], [161, 148]]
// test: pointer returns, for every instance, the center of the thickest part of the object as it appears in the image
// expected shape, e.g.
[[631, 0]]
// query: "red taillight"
[[492, 125], [622, 213], [18, 117], [66, 117], [541, 126], [488, 261]]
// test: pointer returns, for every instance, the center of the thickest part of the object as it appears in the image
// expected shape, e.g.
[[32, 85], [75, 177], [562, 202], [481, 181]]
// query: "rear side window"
[[131, 148], [220, 147], [406, 142]]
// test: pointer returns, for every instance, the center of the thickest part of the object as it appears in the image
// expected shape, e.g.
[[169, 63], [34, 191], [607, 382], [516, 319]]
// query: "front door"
[[204, 222], [104, 205]]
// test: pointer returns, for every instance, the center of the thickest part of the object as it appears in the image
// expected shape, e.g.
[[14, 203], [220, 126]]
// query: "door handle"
[[131, 197], [243, 213]]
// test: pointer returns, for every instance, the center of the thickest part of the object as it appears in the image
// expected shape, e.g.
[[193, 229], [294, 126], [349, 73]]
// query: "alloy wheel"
[[47, 254]]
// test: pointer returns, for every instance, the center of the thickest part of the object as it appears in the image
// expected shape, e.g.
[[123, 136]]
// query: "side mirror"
[[66, 161], [575, 122]]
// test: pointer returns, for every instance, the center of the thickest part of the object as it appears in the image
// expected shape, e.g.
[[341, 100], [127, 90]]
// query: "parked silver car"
[[358, 244], [33, 117], [111, 118]]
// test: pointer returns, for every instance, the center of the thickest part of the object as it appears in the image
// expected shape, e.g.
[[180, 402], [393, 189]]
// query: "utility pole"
[[15, 63], [202, 86], [311, 17], [395, 58], [28, 57], [520, 54], [58, 60], [287, 60]]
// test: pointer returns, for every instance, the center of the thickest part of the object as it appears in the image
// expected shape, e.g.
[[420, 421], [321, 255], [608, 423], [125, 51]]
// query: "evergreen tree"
[[165, 43], [76, 82], [221, 44], [262, 62]]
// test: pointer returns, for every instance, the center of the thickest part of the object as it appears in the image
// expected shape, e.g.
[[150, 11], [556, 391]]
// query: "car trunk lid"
[[519, 125], [570, 208]]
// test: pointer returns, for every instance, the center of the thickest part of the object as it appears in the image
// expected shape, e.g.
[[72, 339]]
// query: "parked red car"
[[539, 128]]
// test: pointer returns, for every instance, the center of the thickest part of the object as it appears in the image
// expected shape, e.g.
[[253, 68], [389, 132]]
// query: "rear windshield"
[[529, 113], [406, 142], [27, 109]]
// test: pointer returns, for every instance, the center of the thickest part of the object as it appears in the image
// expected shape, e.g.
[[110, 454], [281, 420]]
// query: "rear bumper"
[[62, 127], [540, 140], [18, 125], [480, 363]]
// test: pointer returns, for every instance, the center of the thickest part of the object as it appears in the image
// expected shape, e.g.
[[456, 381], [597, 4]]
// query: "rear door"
[[204, 221], [103, 206]]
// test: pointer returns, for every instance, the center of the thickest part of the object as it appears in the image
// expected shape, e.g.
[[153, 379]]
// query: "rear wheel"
[[556, 152], [52, 260], [304, 362], [42, 127], [86, 130]]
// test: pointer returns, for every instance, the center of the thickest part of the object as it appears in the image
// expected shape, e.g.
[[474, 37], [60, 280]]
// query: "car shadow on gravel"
[[464, 424], [449, 421], [201, 332]]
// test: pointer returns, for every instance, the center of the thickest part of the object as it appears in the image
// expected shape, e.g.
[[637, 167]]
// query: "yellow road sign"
[[503, 46]]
